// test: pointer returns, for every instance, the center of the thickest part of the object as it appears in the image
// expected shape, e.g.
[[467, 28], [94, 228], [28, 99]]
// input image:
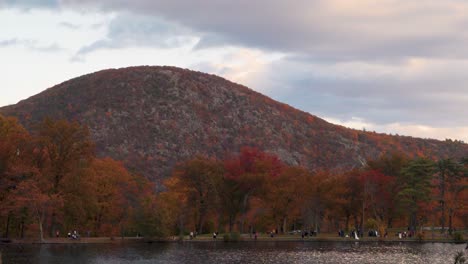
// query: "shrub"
[[420, 236], [231, 237], [458, 237]]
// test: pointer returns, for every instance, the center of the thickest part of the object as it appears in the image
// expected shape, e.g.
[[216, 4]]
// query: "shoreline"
[[86, 240], [206, 239]]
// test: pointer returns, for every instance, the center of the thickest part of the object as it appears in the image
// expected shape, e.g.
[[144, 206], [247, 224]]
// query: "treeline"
[[51, 183], [255, 191]]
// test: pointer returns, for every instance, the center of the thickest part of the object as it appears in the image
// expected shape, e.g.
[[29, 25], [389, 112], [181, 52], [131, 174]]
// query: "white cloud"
[[415, 130], [241, 65]]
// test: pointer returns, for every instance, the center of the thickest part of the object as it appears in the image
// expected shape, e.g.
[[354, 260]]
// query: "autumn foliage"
[[254, 191], [52, 182]]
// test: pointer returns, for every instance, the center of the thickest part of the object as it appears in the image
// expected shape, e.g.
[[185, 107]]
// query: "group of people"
[[373, 233], [353, 233], [359, 233], [307, 233], [193, 235], [73, 235], [405, 234]]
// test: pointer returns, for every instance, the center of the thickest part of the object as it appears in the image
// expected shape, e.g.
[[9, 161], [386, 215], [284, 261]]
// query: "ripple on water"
[[249, 252]]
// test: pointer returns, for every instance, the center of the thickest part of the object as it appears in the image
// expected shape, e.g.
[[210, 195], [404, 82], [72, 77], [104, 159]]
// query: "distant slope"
[[154, 117]]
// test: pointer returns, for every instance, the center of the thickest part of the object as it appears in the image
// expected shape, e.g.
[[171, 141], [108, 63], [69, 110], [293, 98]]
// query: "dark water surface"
[[220, 252]]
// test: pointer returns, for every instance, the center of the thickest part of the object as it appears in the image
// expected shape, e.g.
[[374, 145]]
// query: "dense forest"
[[51, 182], [254, 191]]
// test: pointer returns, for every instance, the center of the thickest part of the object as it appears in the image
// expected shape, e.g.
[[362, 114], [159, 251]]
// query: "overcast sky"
[[393, 66]]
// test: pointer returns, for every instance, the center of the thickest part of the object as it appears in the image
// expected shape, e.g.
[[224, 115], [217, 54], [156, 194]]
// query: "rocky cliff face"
[[153, 117]]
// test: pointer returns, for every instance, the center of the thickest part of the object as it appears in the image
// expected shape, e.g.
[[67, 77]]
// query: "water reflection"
[[248, 252]]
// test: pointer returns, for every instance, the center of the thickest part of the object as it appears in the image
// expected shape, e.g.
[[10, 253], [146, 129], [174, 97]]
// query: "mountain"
[[153, 117]]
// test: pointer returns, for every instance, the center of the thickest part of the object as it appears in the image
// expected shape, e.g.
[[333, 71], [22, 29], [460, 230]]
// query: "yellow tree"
[[200, 181], [323, 193], [174, 205], [115, 192]]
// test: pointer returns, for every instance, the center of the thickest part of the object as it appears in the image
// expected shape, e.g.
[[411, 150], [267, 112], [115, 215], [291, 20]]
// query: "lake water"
[[220, 252]]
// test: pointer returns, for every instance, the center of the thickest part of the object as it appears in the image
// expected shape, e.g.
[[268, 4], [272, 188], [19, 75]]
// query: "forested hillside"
[[151, 118]]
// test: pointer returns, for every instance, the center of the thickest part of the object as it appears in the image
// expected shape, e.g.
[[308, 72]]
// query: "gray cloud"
[[30, 44], [8, 42], [54, 47], [435, 95], [139, 31], [323, 29], [29, 4], [328, 29], [69, 25]]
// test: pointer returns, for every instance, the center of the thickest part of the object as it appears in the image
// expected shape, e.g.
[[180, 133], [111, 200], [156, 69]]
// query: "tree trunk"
[[412, 221], [22, 228], [356, 222], [390, 222], [181, 226], [41, 231], [363, 217], [450, 221], [442, 201], [201, 222], [231, 223], [347, 222], [285, 224], [7, 225], [244, 212], [98, 223], [220, 222], [316, 218], [442, 217], [201, 213], [52, 225]]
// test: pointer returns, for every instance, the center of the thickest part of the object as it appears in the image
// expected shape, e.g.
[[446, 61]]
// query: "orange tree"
[[198, 183], [15, 166]]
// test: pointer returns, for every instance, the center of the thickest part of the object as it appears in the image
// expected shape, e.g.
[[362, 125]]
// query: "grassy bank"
[[84, 240], [324, 237], [429, 238]]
